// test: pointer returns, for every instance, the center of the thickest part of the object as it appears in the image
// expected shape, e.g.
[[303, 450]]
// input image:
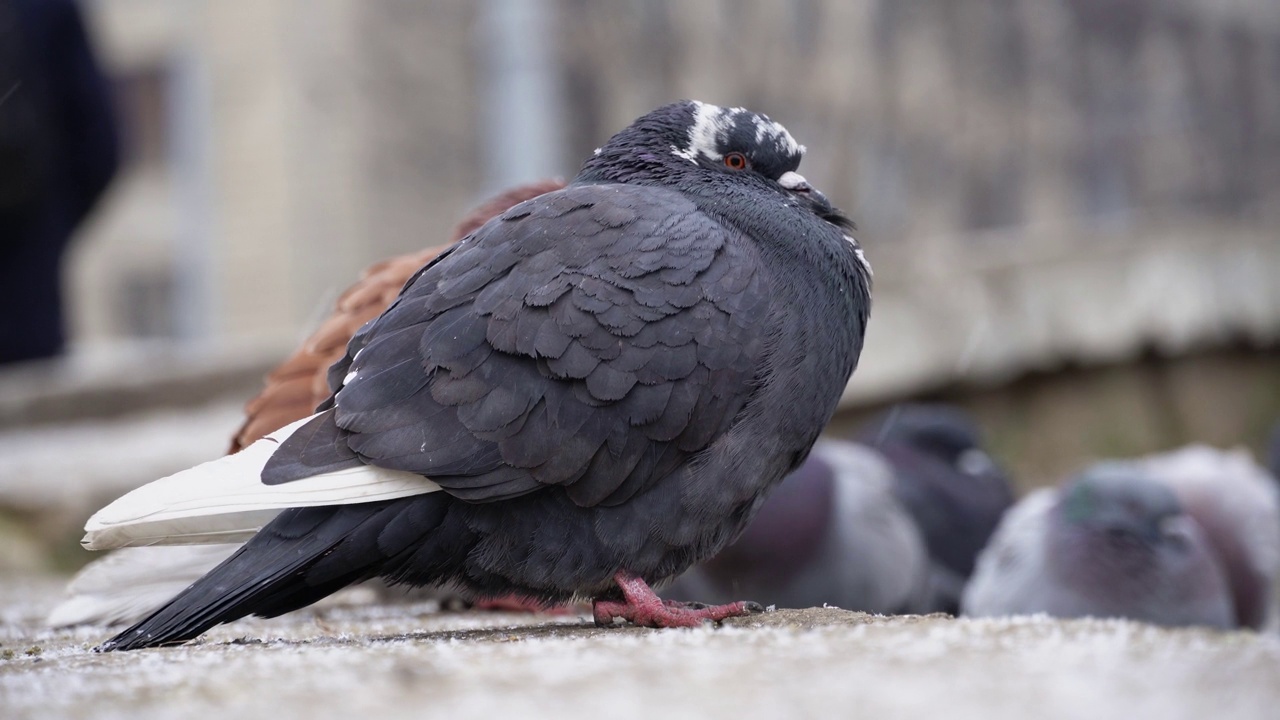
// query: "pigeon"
[[832, 533], [129, 584], [584, 397], [951, 487], [1273, 453], [889, 525], [1237, 505], [1112, 542]]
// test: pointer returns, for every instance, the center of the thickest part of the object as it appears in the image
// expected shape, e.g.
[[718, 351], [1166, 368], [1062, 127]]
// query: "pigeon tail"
[[301, 556], [131, 583]]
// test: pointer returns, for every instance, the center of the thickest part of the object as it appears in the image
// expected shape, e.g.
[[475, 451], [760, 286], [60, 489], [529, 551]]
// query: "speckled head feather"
[[690, 135]]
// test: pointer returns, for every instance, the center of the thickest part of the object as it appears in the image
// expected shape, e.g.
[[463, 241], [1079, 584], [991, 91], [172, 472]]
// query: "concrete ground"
[[363, 660], [356, 660]]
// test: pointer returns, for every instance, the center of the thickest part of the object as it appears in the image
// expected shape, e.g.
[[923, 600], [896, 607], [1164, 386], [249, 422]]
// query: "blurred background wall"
[[1072, 206]]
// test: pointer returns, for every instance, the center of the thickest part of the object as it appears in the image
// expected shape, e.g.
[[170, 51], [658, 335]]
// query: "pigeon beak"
[[795, 182]]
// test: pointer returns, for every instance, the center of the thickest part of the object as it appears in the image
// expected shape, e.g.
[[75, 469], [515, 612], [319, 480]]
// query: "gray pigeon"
[[587, 395], [1237, 505], [1273, 453], [892, 525], [953, 490], [1112, 542], [833, 533]]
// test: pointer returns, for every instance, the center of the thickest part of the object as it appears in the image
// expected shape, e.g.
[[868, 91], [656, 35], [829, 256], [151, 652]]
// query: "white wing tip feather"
[[129, 584], [224, 500]]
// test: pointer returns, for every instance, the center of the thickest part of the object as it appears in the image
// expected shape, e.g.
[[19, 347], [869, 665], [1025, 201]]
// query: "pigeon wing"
[[592, 338], [294, 388]]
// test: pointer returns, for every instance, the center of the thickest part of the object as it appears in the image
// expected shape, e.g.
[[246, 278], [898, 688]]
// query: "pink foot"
[[642, 607]]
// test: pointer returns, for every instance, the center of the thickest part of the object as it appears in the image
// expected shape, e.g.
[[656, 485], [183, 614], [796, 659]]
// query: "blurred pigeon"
[[832, 533], [850, 527], [590, 393], [1237, 505], [127, 585], [1273, 453], [949, 485], [1112, 542]]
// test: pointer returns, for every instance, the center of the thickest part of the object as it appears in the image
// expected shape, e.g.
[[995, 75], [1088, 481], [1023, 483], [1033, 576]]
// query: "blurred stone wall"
[[1036, 181], [948, 116]]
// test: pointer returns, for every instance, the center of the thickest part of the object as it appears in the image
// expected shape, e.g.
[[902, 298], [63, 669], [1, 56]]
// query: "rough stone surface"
[[391, 661]]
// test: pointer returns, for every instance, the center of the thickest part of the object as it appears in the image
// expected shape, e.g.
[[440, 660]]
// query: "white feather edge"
[[131, 583], [225, 501]]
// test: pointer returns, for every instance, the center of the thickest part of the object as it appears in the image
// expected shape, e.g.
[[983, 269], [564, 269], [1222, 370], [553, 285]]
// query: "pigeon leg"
[[641, 606]]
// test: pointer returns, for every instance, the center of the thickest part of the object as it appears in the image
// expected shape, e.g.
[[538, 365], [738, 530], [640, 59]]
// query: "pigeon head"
[[1126, 546], [1112, 520], [691, 141], [953, 489], [1122, 507], [941, 431]]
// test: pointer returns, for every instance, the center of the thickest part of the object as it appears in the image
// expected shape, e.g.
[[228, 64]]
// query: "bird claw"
[[644, 608]]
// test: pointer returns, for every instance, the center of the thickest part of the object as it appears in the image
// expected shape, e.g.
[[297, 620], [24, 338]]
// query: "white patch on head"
[[708, 121], [857, 250], [712, 123], [767, 129]]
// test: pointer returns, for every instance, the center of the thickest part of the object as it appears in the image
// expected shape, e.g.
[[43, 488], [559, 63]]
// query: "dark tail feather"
[[300, 557]]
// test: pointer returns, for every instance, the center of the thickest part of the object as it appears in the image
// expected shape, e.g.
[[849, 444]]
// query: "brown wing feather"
[[293, 389]]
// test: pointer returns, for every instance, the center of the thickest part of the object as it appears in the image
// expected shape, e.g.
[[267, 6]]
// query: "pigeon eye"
[[736, 161]]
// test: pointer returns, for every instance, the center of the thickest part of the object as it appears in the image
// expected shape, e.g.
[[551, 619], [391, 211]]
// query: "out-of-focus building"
[[1038, 182]]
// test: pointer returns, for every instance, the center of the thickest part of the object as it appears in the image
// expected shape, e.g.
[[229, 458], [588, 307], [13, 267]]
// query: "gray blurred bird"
[[1237, 505], [1273, 453], [832, 533], [889, 525], [948, 483], [1111, 542]]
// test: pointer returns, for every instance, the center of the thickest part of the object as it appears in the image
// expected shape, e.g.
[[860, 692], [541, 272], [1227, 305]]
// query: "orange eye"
[[736, 161]]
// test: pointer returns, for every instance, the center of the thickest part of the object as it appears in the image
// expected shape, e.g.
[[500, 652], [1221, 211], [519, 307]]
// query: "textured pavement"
[[353, 659]]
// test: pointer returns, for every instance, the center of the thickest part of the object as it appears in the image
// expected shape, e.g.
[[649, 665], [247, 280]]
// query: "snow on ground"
[[392, 661]]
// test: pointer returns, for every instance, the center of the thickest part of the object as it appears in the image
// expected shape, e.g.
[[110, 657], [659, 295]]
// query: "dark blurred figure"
[[58, 152], [950, 486]]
